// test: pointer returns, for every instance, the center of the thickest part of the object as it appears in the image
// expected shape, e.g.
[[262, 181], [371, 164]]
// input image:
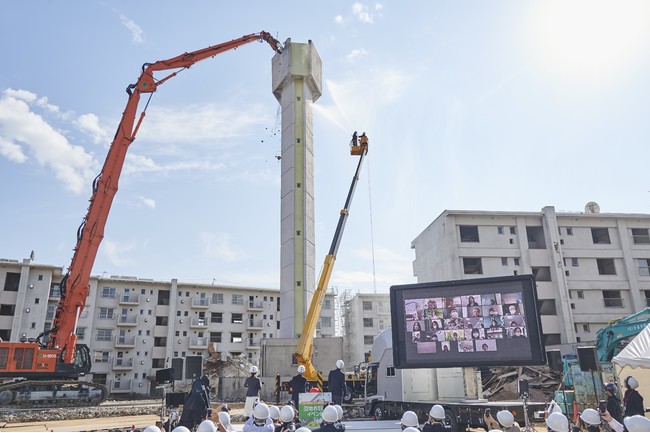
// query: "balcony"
[[255, 325], [130, 299], [199, 343], [123, 364], [198, 302], [253, 344], [199, 323], [255, 306], [613, 302], [120, 387], [122, 341], [124, 320]]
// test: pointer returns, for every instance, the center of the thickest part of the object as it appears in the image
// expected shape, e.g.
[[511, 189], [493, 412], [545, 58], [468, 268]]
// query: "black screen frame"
[[404, 358]]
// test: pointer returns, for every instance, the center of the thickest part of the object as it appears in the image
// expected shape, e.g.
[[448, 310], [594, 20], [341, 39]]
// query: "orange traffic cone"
[[576, 413]]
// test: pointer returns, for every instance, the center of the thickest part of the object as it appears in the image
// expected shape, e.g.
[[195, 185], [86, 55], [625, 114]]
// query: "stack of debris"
[[500, 383]]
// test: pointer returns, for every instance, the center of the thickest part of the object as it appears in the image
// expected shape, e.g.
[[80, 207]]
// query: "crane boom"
[[305, 347]]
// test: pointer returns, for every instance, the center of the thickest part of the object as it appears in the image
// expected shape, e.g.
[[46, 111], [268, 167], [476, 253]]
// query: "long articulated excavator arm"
[[610, 338], [305, 348], [74, 287]]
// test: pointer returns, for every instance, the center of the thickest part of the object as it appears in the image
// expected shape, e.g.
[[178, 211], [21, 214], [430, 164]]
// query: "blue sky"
[[497, 105]]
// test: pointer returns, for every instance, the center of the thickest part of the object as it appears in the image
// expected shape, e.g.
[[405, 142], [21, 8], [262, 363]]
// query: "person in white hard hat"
[[287, 418], [298, 385], [181, 429], [329, 416], [557, 422], [224, 422], [274, 414], [436, 420], [206, 426], [253, 386], [301, 429], [590, 419], [411, 429], [152, 428], [261, 419], [507, 421], [339, 419], [410, 419], [632, 400], [336, 382], [637, 423]]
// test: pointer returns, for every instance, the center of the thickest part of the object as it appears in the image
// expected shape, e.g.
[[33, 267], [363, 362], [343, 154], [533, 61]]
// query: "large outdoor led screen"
[[467, 323]]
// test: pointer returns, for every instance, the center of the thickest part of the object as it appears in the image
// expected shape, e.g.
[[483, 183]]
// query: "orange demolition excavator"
[[44, 371]]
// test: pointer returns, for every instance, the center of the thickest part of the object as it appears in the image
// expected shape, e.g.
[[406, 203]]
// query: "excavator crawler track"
[[33, 394]]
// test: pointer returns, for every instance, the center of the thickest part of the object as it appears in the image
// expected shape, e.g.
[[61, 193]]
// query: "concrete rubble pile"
[[501, 383], [59, 414]]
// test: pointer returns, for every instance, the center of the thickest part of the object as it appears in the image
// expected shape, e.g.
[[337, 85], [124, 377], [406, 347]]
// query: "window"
[[37, 300], [81, 332], [574, 262], [104, 335], [367, 305], [513, 230], [504, 261], [215, 337], [237, 318], [535, 237], [390, 371], [326, 322], [216, 317], [542, 273], [585, 327], [547, 307], [644, 267], [606, 266], [612, 298], [105, 313], [160, 341], [235, 337], [217, 298], [11, 281], [327, 304], [469, 233], [108, 292], [368, 339], [237, 299], [100, 357], [162, 321], [640, 236], [7, 310], [581, 294], [367, 322], [163, 297], [158, 363], [569, 231], [647, 298], [472, 265], [40, 277], [600, 235], [551, 339], [500, 230], [516, 261]]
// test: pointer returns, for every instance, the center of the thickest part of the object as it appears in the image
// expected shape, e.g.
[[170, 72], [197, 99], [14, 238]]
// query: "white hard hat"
[[274, 412], [411, 429], [181, 428], [152, 428], [224, 418], [637, 423], [206, 426], [301, 369], [590, 416], [495, 430], [554, 407], [340, 363], [557, 422], [261, 411], [437, 412], [302, 429], [287, 414], [505, 418], [339, 411], [253, 369], [330, 414], [632, 382], [410, 419]]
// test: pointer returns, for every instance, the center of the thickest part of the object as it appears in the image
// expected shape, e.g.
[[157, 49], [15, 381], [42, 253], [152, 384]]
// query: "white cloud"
[[89, 123], [148, 202], [136, 31], [136, 164], [353, 55], [217, 245], [361, 12], [117, 252], [25, 132], [338, 19]]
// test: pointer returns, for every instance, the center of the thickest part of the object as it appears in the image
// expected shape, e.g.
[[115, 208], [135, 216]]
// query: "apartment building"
[[590, 267], [364, 316], [136, 326]]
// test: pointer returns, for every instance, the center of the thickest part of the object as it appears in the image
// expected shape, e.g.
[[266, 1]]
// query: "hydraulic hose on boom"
[[305, 348]]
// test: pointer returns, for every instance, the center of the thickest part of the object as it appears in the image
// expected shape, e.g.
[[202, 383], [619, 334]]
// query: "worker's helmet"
[[340, 364], [557, 422], [611, 387], [410, 419], [301, 369], [505, 418], [631, 382], [152, 428], [287, 414], [261, 411], [637, 423], [253, 369], [299, 429], [224, 418], [339, 412], [206, 426], [411, 429], [590, 416], [437, 412], [554, 407], [181, 428], [274, 412], [330, 415]]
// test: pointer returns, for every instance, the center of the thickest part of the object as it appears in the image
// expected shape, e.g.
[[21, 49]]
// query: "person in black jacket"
[[632, 400], [336, 382], [436, 420], [253, 386], [613, 402], [329, 417], [298, 385]]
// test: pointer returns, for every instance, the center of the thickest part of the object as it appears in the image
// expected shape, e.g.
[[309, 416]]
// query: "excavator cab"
[[361, 147]]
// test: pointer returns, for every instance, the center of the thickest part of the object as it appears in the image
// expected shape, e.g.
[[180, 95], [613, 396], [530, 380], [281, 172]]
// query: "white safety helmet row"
[[631, 382], [557, 422], [253, 369], [505, 418], [261, 411], [301, 369], [410, 419], [590, 416], [340, 364], [287, 413], [437, 412], [330, 414], [637, 423]]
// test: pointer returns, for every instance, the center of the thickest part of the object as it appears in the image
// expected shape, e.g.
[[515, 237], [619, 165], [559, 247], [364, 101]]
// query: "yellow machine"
[[305, 346]]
